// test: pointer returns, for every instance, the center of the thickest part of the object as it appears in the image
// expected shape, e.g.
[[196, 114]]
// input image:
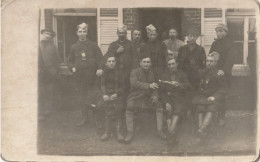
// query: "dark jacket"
[[94, 57], [139, 84], [158, 52], [138, 50], [111, 82], [190, 62], [48, 62], [124, 59], [169, 92], [211, 84], [228, 53]]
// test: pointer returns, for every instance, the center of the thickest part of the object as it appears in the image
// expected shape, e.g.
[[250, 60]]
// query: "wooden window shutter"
[[212, 17], [109, 20]]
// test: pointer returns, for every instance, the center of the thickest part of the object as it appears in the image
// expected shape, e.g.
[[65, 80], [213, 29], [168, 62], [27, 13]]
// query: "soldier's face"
[[152, 36], [136, 35], [173, 33], [82, 33], [211, 62], [172, 65], [45, 36], [145, 63], [111, 62], [192, 38], [221, 33], [121, 34]]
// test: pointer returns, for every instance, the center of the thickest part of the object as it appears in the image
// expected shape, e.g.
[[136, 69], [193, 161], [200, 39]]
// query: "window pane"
[[252, 29], [239, 46], [236, 28]]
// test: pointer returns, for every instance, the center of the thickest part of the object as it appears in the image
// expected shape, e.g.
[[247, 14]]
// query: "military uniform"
[[228, 55], [48, 73], [124, 60], [140, 98], [211, 84], [190, 62], [86, 57], [112, 83], [157, 50], [175, 96], [174, 46], [138, 49]]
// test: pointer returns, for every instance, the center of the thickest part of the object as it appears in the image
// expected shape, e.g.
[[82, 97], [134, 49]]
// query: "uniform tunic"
[[48, 71], [174, 46], [211, 85], [158, 52], [138, 49], [124, 60], [140, 94], [86, 57], [111, 83], [228, 54], [175, 96], [191, 62]]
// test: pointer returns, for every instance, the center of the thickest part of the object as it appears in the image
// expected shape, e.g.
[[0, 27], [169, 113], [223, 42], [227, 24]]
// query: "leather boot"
[[171, 139], [106, 135], [206, 122], [172, 128], [129, 126], [120, 137], [200, 118], [159, 120]]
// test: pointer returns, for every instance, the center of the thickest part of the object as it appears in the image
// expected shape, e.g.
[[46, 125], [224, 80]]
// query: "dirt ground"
[[59, 135]]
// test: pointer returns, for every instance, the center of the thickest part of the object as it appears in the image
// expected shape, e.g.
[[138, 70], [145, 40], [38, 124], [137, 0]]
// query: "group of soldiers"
[[170, 77]]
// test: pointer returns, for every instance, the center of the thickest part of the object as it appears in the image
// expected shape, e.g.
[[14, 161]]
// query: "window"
[[241, 25]]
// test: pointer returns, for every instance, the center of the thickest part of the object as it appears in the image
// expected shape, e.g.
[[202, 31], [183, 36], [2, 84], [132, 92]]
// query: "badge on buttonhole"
[[83, 56]]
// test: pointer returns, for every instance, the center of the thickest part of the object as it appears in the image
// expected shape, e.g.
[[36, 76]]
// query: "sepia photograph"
[[96, 80], [147, 81]]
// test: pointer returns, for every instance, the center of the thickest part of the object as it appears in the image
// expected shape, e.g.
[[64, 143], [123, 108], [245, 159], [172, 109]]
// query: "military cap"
[[48, 30], [83, 26], [150, 28], [222, 26]]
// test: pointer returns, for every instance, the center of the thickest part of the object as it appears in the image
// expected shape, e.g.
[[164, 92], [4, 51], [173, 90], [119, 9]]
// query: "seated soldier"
[[143, 95], [211, 93], [173, 88], [111, 103]]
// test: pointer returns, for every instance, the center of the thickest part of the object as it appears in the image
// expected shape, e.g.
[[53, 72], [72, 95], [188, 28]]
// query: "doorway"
[[66, 32], [163, 19]]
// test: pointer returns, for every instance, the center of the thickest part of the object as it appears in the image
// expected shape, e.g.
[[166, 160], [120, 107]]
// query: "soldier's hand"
[[221, 72], [99, 72], [154, 86], [174, 83], [211, 98], [168, 107], [120, 49], [73, 69], [154, 99], [113, 97], [105, 97]]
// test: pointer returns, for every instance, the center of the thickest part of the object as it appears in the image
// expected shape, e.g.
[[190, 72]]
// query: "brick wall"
[[48, 18], [131, 18], [191, 17]]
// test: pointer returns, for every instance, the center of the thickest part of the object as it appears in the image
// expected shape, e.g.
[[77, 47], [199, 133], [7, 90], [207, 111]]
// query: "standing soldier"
[[138, 48], [122, 50], [173, 43], [211, 93], [85, 60], [157, 51], [48, 72], [173, 86], [111, 103], [228, 53], [143, 95], [191, 58]]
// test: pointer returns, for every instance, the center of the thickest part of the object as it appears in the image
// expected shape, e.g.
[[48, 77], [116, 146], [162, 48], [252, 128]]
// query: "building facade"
[[103, 23]]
